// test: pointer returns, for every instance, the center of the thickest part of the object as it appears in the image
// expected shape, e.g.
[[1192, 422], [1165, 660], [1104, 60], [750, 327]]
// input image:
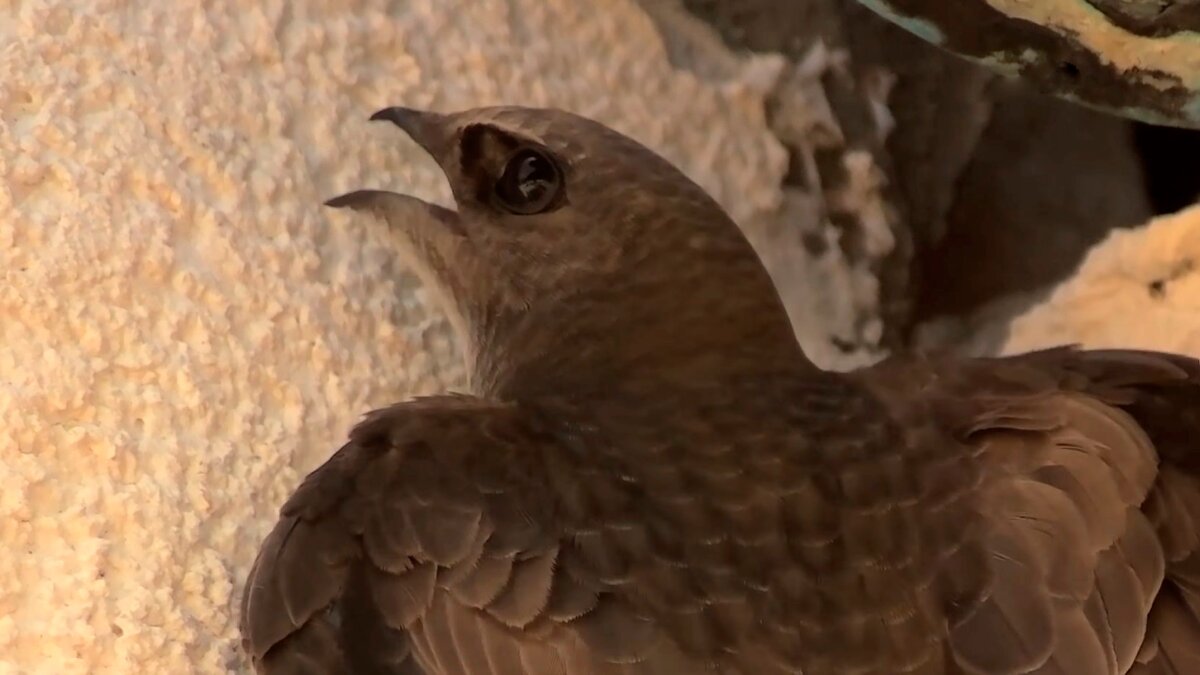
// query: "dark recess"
[[1171, 161]]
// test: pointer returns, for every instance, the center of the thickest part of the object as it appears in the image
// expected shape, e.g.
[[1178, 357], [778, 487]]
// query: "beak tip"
[[428, 129], [397, 115], [346, 200]]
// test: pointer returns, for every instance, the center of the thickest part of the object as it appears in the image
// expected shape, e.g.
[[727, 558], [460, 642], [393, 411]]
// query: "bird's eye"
[[530, 183]]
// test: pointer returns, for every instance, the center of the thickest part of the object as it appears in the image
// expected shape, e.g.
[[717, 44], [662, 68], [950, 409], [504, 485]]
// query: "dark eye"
[[530, 183]]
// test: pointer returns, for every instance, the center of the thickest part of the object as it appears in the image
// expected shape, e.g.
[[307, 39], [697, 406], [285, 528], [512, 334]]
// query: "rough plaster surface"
[[1096, 52], [1140, 288], [185, 331], [1126, 50]]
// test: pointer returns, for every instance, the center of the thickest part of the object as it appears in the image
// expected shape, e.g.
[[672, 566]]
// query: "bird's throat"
[[610, 337]]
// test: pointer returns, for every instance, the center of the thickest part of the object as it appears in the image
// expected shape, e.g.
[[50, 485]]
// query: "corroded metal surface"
[[1136, 58]]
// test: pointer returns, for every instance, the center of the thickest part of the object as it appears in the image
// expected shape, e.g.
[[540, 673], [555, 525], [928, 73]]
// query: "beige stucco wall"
[[1138, 288]]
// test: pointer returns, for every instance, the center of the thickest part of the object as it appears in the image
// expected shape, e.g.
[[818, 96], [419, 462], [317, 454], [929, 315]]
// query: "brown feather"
[[314, 649], [403, 598], [528, 591], [486, 579]]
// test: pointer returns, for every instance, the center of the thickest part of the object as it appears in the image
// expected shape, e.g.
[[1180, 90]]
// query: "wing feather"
[[431, 543], [1078, 524]]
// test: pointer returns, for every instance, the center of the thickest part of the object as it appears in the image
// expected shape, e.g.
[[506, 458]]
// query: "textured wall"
[[184, 331], [1138, 58], [1139, 288]]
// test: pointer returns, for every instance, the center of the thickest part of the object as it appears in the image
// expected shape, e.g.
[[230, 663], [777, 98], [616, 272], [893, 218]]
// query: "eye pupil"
[[529, 183]]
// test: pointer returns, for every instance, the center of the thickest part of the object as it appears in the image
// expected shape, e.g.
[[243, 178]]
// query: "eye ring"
[[531, 182]]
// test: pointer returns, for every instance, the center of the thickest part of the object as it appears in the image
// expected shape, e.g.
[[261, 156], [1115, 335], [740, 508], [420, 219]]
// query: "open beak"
[[434, 242], [433, 132]]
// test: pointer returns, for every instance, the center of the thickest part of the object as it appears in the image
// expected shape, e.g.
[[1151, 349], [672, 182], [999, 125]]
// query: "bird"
[[646, 474]]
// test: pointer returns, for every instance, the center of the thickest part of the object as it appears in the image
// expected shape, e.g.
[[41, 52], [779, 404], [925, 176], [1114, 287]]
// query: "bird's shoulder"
[[430, 483], [456, 509], [440, 447]]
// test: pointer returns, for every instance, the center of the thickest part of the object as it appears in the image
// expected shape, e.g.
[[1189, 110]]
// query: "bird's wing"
[[430, 544], [1076, 544]]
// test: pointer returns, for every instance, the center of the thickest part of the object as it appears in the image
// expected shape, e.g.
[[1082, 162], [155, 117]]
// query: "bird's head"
[[577, 255]]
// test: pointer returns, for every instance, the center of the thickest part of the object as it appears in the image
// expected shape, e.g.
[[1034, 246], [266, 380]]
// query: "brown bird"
[[651, 477]]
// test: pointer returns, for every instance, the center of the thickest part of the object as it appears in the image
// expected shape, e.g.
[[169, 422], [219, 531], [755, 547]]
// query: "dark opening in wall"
[[1171, 162]]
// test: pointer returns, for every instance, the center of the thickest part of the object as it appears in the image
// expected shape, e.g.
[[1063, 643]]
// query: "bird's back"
[[1033, 514], [931, 517]]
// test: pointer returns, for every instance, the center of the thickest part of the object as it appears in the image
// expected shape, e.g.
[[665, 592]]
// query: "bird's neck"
[[683, 330]]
